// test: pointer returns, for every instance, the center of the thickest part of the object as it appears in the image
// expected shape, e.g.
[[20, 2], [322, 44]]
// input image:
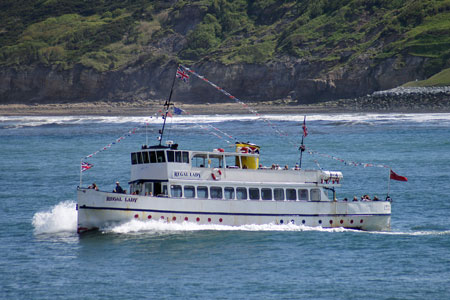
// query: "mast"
[[166, 106], [302, 147]]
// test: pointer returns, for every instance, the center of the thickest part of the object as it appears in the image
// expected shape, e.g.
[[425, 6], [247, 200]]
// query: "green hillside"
[[109, 34]]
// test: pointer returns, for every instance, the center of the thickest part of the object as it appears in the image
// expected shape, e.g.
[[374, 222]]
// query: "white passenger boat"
[[228, 188]]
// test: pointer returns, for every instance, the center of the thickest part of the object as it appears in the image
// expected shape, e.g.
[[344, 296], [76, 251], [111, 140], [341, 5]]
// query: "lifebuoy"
[[216, 174]]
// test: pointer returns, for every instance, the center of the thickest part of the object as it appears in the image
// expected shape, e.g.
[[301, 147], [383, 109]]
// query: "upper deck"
[[171, 164]]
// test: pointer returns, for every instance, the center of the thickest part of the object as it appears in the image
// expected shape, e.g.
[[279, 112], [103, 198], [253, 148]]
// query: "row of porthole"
[[320, 221], [136, 216], [221, 220]]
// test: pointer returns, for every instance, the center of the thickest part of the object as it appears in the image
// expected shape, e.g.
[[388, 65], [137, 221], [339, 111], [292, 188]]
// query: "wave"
[[60, 218], [8, 122]]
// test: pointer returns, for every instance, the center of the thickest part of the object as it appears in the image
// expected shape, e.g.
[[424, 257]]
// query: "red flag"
[[395, 176]]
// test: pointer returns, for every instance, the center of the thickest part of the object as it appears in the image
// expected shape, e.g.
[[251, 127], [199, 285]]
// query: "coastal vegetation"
[[109, 34]]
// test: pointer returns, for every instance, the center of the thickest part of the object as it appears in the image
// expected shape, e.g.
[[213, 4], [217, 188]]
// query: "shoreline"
[[147, 108]]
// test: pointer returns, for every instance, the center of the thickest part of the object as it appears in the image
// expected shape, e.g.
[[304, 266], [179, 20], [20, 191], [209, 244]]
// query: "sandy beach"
[[143, 108]]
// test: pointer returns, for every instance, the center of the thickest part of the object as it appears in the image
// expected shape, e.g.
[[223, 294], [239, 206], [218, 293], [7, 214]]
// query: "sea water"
[[42, 257]]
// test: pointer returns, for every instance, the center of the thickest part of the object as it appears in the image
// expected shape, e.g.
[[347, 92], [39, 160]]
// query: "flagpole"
[[167, 105], [389, 182], [302, 147], [81, 171]]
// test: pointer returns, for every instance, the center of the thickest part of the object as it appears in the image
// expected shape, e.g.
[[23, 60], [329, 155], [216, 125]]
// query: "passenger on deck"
[[286, 167], [118, 189], [93, 186], [375, 198], [345, 199], [296, 167], [354, 198]]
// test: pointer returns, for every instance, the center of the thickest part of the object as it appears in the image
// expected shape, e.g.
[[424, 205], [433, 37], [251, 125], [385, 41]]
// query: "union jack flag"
[[86, 166], [182, 74]]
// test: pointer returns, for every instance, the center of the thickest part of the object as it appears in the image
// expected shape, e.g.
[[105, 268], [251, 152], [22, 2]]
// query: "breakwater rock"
[[399, 99]]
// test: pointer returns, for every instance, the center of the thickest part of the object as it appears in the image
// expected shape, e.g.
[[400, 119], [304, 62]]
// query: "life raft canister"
[[216, 174]]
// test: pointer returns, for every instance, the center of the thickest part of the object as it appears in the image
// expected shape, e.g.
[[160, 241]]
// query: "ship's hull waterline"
[[98, 209]]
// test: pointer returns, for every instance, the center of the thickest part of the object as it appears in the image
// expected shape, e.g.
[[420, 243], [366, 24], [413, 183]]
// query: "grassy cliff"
[[112, 35]]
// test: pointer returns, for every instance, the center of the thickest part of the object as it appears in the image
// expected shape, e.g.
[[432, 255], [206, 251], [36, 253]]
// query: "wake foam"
[[60, 218], [136, 226]]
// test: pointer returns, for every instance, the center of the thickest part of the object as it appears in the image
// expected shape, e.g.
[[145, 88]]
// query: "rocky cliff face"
[[299, 80]]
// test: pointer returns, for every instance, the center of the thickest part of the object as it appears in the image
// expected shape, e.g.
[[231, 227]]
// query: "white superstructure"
[[229, 188]]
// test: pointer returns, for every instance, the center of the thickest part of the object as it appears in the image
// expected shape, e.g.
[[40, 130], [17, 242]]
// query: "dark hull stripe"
[[225, 213]]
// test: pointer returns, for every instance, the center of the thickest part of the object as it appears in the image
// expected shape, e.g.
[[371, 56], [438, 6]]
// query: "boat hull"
[[99, 209]]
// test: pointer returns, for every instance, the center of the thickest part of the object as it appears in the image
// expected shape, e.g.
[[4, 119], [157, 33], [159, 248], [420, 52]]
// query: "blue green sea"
[[42, 256]]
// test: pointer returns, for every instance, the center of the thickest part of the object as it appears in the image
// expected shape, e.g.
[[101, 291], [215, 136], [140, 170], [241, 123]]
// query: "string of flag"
[[237, 100], [131, 132], [346, 162]]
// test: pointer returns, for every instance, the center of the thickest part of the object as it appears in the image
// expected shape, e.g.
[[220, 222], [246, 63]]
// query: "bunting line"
[[346, 162], [133, 131], [237, 100]]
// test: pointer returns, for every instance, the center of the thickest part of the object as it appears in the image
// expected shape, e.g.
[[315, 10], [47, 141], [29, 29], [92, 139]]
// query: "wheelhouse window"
[[266, 194], [241, 193], [152, 157], [160, 157], [202, 192], [254, 193], [291, 194], [229, 193], [216, 161], [189, 191], [303, 194], [139, 157], [170, 156], [176, 191], [216, 192], [315, 195], [278, 194], [134, 158], [145, 157], [185, 157]]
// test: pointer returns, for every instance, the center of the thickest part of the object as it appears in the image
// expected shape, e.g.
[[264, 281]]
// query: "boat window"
[[216, 161], [145, 157], [216, 192], [315, 195], [189, 191], [278, 194], [229, 193], [254, 193], [202, 192], [291, 194], [303, 194], [199, 161], [164, 189], [133, 158], [139, 157], [152, 156], [160, 156], [185, 157], [178, 156], [266, 194], [230, 161], [148, 188], [241, 193], [170, 156], [175, 190]]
